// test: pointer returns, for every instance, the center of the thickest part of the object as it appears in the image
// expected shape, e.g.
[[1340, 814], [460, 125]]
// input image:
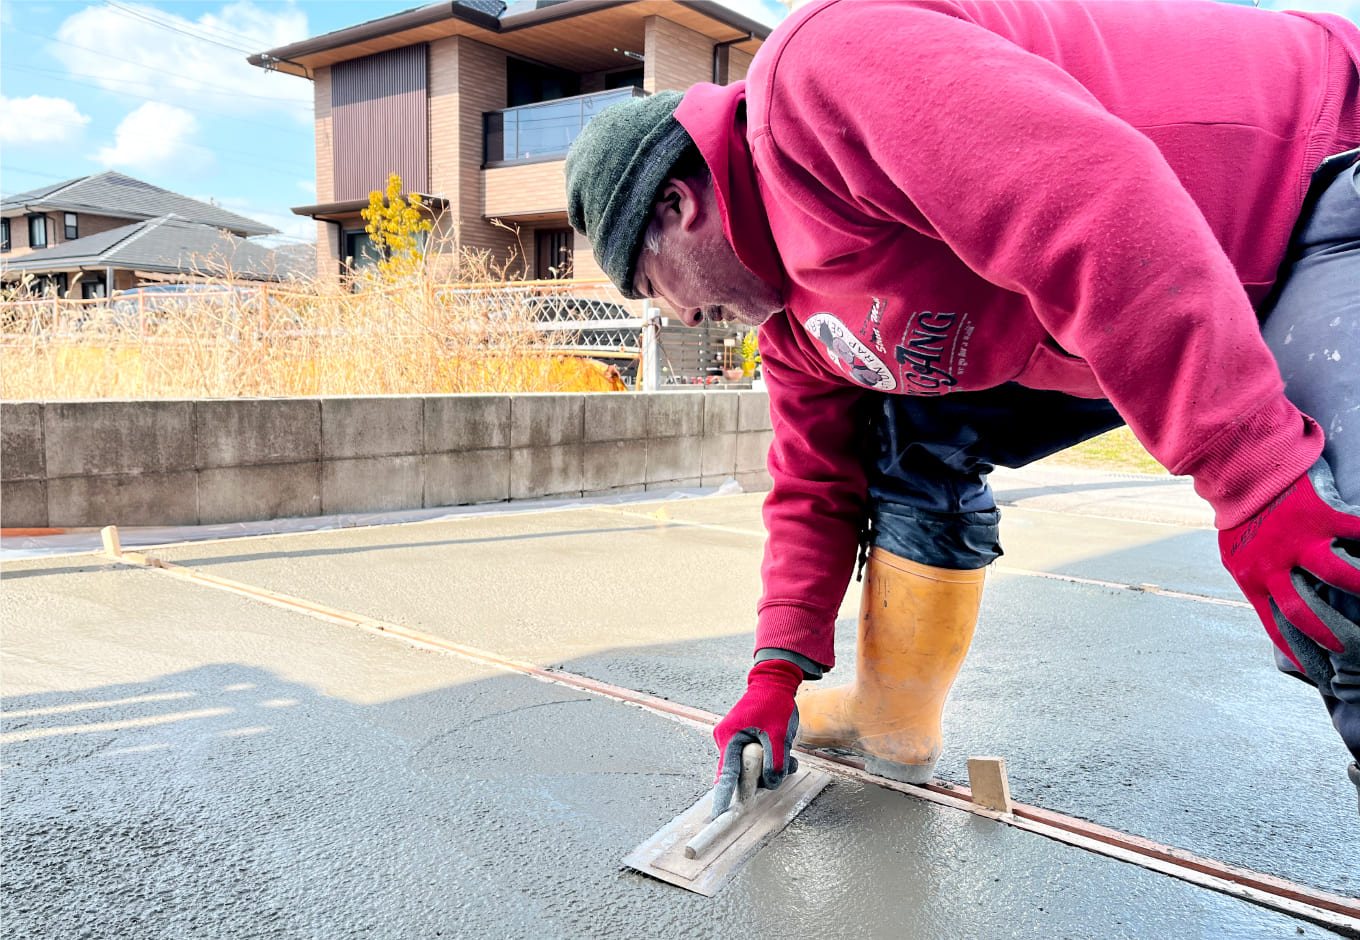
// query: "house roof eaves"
[[255, 228], [95, 251], [50, 205], [436, 12], [558, 11], [396, 23], [721, 13], [324, 210]]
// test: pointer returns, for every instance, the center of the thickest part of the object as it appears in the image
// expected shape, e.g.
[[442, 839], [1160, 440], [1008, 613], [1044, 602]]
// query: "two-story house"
[[475, 103], [110, 232]]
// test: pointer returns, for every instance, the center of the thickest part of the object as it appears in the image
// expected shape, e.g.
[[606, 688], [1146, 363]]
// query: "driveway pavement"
[[183, 762]]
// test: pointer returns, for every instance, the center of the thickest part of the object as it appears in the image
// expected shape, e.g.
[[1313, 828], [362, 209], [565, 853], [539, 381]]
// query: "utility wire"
[[108, 55], [172, 27], [99, 80]]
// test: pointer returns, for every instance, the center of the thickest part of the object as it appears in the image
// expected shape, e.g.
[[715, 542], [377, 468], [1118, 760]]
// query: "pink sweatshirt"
[[1080, 197]]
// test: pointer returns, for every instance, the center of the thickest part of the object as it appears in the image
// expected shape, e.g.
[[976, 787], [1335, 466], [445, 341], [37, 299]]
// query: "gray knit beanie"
[[614, 170]]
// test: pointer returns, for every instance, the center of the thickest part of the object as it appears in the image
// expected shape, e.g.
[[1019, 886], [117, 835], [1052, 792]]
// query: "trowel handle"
[[752, 763]]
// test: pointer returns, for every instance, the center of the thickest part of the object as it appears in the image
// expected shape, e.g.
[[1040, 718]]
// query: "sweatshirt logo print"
[[927, 352], [850, 355]]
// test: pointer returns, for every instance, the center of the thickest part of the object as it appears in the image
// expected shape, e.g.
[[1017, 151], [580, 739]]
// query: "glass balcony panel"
[[544, 130]]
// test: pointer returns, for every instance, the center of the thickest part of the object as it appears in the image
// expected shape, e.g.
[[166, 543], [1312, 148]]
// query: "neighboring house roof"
[[168, 244], [493, 16], [112, 194]]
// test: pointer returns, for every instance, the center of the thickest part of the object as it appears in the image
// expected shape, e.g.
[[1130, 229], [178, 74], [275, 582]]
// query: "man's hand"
[[1272, 555], [766, 714]]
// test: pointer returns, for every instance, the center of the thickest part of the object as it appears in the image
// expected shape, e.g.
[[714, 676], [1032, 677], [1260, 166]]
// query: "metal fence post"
[[651, 348]]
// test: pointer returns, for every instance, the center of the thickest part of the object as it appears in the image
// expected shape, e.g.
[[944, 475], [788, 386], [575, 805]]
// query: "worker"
[[973, 234]]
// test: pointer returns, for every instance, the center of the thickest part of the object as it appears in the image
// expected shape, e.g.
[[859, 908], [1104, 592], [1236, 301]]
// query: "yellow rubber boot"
[[915, 625]]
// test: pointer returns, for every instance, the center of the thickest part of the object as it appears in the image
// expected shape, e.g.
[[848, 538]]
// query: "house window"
[[625, 79], [552, 255], [72, 232], [527, 83], [37, 231], [93, 289], [4, 234], [360, 251], [48, 285]]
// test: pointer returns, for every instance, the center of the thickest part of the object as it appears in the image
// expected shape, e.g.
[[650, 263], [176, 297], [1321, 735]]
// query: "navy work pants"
[[928, 458]]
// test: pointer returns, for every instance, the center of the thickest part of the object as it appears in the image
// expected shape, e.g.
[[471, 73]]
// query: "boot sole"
[[902, 773]]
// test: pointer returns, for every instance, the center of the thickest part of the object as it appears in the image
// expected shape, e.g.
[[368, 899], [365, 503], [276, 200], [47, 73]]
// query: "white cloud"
[[292, 228], [188, 70], [308, 187], [769, 12], [39, 120], [158, 138]]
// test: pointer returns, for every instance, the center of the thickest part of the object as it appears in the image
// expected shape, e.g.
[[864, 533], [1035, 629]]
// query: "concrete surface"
[[182, 762], [144, 463], [1139, 497]]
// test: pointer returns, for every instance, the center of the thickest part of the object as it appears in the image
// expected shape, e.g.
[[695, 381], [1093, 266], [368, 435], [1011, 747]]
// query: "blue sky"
[[161, 91]]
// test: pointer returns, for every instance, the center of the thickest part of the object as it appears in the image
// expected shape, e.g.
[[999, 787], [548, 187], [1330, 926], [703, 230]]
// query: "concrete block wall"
[[92, 463]]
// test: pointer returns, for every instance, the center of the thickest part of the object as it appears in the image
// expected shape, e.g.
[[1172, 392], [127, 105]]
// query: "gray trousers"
[[1313, 328], [927, 459]]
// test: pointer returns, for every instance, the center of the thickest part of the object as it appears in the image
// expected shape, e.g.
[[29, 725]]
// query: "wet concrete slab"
[[183, 762], [1156, 715]]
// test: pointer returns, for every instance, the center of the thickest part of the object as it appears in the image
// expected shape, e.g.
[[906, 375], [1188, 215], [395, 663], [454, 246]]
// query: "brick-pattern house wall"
[[530, 188], [329, 240], [583, 264], [466, 79], [444, 140], [481, 86], [738, 64], [676, 57], [94, 224], [18, 234], [443, 112], [327, 247]]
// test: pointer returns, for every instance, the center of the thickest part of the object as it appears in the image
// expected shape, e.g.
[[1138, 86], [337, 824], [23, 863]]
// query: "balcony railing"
[[543, 131]]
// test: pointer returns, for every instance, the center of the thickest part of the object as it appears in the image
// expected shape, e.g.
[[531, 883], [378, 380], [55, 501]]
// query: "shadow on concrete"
[[431, 543], [1014, 494], [59, 566], [225, 801]]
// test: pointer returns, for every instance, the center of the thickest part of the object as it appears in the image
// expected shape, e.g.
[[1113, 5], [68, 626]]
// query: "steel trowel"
[[700, 853]]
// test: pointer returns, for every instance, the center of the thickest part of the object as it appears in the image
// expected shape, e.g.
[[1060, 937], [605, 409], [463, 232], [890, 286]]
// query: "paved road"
[[182, 762]]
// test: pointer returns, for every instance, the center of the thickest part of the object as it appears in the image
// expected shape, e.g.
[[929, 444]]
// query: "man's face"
[[689, 263]]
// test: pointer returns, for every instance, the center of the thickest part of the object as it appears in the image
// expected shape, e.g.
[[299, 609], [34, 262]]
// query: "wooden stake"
[[987, 779], [111, 544]]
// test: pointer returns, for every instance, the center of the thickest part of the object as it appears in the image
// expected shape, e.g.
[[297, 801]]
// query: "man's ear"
[[679, 203]]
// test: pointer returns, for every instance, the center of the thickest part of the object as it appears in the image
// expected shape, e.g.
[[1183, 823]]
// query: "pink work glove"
[[1297, 532], [765, 714]]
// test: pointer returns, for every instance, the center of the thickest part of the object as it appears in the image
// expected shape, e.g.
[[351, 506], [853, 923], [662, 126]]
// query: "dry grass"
[[1114, 450], [240, 339]]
